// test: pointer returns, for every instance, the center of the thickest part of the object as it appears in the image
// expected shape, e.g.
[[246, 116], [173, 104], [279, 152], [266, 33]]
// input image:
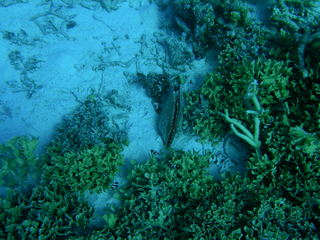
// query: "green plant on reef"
[[55, 208], [284, 176], [160, 198], [226, 88], [208, 22], [300, 19], [307, 142], [85, 152], [304, 3], [173, 197], [48, 212], [18, 160], [270, 96], [91, 169]]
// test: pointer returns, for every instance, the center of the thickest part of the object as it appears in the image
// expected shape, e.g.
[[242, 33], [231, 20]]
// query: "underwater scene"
[[159, 119]]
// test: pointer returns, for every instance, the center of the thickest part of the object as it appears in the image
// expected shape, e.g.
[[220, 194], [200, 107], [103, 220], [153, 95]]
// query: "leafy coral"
[[162, 193], [90, 169], [55, 208], [210, 23], [18, 160], [228, 89], [49, 212], [288, 168], [295, 27], [173, 196], [85, 152]]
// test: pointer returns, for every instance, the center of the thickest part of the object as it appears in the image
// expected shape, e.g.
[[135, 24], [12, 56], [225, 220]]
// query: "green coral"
[[299, 19], [210, 23], [305, 141], [85, 152], [161, 195], [172, 196], [55, 208], [228, 89], [278, 218], [18, 160], [304, 4], [48, 212], [285, 175], [91, 169], [240, 130]]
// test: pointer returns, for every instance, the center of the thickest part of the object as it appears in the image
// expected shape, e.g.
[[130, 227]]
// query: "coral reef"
[[301, 20], [96, 119], [18, 161], [55, 207], [265, 93], [49, 212], [209, 23], [91, 169], [241, 131], [161, 196]]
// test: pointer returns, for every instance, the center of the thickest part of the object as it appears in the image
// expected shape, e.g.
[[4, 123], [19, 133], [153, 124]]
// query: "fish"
[[171, 115]]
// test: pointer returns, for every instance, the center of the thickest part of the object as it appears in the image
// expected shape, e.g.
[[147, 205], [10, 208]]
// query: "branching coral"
[[240, 130]]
